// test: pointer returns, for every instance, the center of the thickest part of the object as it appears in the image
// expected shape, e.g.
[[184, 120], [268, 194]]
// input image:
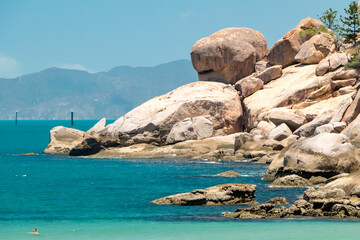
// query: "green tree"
[[350, 22], [329, 18]]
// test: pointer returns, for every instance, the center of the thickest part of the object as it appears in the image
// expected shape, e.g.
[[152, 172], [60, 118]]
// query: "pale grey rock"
[[326, 128], [340, 109], [308, 129], [280, 132], [196, 128], [98, 127], [279, 116], [326, 154]]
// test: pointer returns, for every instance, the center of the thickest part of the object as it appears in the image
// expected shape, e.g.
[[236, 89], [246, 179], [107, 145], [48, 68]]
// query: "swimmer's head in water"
[[34, 230]]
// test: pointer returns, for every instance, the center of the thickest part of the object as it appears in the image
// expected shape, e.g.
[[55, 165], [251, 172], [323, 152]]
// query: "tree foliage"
[[350, 22], [329, 18]]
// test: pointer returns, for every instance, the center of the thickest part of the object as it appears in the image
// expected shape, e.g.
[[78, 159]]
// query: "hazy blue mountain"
[[53, 93]]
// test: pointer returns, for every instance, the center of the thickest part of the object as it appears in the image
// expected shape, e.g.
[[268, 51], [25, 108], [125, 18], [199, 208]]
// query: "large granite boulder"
[[225, 194], [196, 128], [284, 50], [63, 139], [316, 49], [228, 55], [326, 155], [152, 121]]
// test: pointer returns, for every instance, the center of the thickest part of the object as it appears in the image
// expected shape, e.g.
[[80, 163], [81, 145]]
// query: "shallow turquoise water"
[[80, 198]]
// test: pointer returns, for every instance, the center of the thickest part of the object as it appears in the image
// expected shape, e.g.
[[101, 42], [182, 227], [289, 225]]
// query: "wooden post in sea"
[[72, 118], [16, 118]]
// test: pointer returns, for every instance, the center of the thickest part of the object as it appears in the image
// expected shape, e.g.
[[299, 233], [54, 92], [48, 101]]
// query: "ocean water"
[[81, 198]]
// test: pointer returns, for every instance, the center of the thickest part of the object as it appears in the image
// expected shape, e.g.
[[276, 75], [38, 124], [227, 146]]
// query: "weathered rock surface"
[[295, 85], [248, 86], [284, 50], [290, 181], [214, 148], [98, 127], [63, 139], [279, 116], [229, 174], [228, 55], [326, 128], [270, 73], [225, 194], [260, 66], [280, 132], [331, 63], [326, 154], [316, 49], [353, 111], [196, 128], [152, 121]]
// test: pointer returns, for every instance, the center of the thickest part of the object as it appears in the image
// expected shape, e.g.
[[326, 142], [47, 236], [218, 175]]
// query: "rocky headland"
[[294, 106]]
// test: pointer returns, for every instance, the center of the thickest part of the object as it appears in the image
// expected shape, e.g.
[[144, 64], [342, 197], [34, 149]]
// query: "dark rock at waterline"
[[225, 194], [87, 147], [278, 201]]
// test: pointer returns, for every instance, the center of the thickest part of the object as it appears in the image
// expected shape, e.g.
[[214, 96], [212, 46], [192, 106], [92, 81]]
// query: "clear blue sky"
[[98, 35]]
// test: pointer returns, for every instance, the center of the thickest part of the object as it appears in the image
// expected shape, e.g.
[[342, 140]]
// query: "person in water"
[[34, 232]]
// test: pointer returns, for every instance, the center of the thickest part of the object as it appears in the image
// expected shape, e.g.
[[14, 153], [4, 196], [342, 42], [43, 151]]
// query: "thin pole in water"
[[72, 118], [16, 118]]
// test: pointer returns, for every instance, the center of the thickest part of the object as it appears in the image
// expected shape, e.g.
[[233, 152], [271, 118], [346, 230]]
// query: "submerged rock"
[[290, 181], [225, 194], [229, 174]]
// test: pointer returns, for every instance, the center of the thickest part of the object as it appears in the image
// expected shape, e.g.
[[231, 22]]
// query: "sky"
[[97, 35]]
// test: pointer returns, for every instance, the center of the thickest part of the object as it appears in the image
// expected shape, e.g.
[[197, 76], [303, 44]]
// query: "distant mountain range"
[[53, 93]]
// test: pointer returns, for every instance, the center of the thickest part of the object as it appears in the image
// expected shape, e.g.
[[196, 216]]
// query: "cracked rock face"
[[228, 55], [225, 194]]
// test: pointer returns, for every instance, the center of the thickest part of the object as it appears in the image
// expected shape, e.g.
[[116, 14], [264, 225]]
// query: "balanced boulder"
[[228, 55]]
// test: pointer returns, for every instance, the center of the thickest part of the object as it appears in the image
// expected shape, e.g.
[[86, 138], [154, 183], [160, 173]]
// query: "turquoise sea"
[[80, 198]]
